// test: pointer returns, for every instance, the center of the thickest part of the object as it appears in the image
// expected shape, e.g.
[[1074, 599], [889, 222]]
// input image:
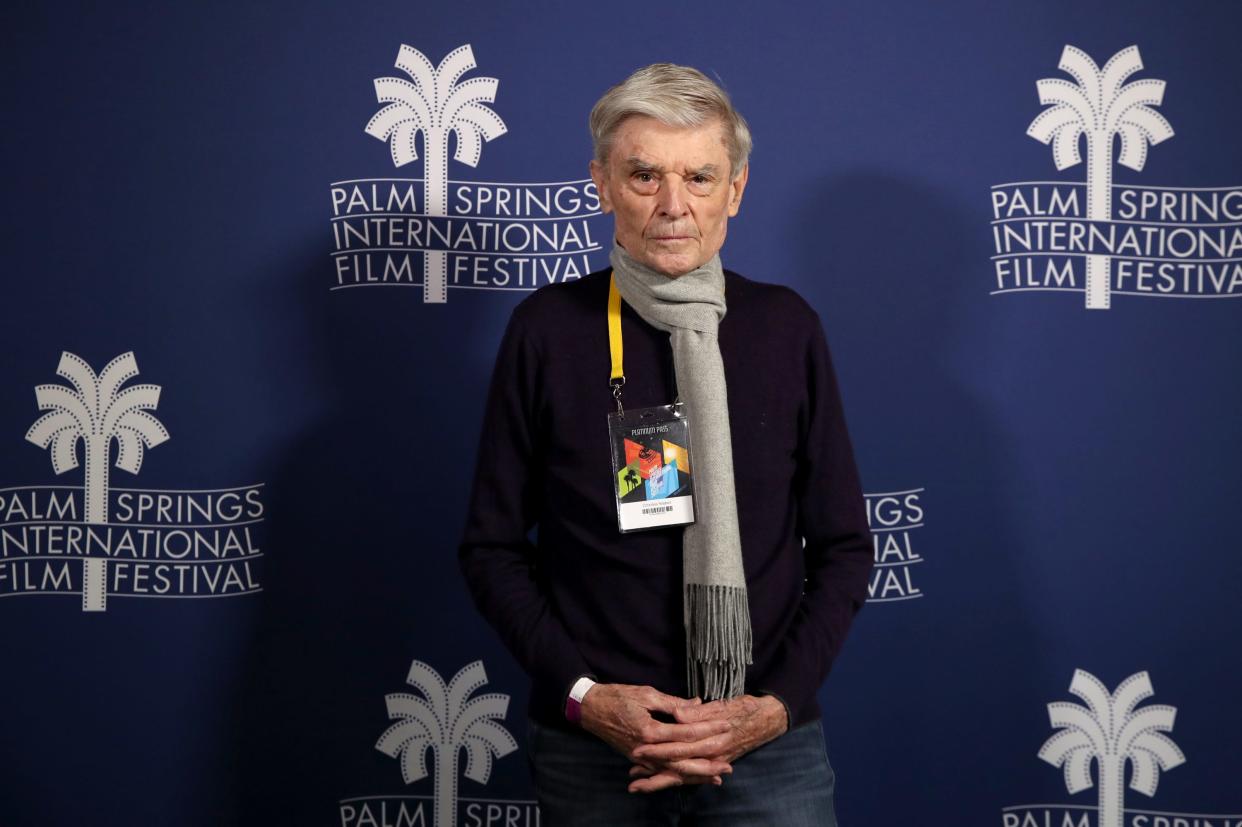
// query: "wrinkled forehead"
[[643, 141]]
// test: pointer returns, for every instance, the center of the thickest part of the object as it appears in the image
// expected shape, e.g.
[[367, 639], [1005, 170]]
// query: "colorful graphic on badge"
[[675, 453], [649, 460], [632, 450], [628, 478], [663, 481], [650, 474]]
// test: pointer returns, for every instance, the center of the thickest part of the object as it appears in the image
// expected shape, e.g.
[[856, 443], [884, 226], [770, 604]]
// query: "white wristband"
[[573, 704]]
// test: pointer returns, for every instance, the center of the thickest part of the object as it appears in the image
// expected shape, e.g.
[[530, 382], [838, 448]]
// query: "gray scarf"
[[689, 308]]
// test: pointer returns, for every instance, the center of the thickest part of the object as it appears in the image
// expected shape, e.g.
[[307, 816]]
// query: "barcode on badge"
[[657, 509]]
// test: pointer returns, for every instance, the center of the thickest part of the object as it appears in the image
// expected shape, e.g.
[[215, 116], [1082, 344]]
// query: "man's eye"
[[644, 177]]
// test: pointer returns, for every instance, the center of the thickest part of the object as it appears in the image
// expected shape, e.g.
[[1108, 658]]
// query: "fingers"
[[667, 778], [692, 713], [698, 769], [660, 781], [666, 751], [656, 700], [702, 769], [656, 732]]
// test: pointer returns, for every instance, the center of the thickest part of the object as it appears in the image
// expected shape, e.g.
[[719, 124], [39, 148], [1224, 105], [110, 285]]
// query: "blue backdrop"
[[1054, 487]]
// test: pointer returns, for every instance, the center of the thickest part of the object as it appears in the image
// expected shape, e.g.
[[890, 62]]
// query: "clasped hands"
[[697, 748]]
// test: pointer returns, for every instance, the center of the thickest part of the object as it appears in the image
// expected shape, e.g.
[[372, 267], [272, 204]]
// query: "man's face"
[[671, 190]]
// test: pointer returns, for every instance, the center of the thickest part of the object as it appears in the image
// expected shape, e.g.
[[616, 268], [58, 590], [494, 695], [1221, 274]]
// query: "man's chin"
[[672, 265]]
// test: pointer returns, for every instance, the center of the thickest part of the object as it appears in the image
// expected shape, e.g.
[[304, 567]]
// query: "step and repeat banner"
[[258, 260]]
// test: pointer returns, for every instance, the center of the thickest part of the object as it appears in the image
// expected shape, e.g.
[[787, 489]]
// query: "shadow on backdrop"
[[366, 510], [908, 325]]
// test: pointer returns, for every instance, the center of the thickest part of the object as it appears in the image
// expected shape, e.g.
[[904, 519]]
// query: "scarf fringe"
[[718, 640]]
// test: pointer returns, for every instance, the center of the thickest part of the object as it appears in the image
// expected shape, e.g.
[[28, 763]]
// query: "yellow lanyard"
[[617, 379], [614, 329]]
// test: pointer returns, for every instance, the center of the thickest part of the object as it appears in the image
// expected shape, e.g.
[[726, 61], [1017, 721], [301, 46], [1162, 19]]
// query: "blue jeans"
[[581, 782]]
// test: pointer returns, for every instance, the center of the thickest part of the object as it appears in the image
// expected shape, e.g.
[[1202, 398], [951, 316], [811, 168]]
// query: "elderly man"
[[674, 670]]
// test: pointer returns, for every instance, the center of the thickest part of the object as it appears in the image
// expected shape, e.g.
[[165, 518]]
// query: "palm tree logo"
[[96, 411], [436, 105], [1109, 731], [1101, 106], [446, 720]]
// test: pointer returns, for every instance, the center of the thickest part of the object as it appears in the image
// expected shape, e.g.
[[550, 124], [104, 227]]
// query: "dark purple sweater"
[[584, 599]]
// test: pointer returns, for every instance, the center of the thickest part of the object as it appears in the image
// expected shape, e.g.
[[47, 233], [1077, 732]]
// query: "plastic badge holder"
[[652, 473]]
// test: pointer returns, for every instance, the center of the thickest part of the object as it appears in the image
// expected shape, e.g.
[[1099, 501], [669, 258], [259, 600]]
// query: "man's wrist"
[[573, 702], [762, 693]]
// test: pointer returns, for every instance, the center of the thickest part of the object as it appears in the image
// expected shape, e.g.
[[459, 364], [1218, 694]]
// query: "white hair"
[[674, 95]]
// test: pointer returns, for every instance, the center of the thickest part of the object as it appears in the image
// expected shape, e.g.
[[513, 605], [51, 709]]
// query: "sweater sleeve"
[[832, 519], [496, 556]]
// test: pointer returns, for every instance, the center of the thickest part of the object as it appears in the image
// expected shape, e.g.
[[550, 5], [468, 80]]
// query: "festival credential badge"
[[651, 467]]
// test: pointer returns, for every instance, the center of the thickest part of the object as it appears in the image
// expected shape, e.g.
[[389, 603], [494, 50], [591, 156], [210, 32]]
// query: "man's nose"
[[673, 196]]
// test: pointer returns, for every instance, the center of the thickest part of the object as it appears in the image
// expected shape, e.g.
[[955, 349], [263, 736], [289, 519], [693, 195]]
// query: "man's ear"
[[736, 187], [599, 176]]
